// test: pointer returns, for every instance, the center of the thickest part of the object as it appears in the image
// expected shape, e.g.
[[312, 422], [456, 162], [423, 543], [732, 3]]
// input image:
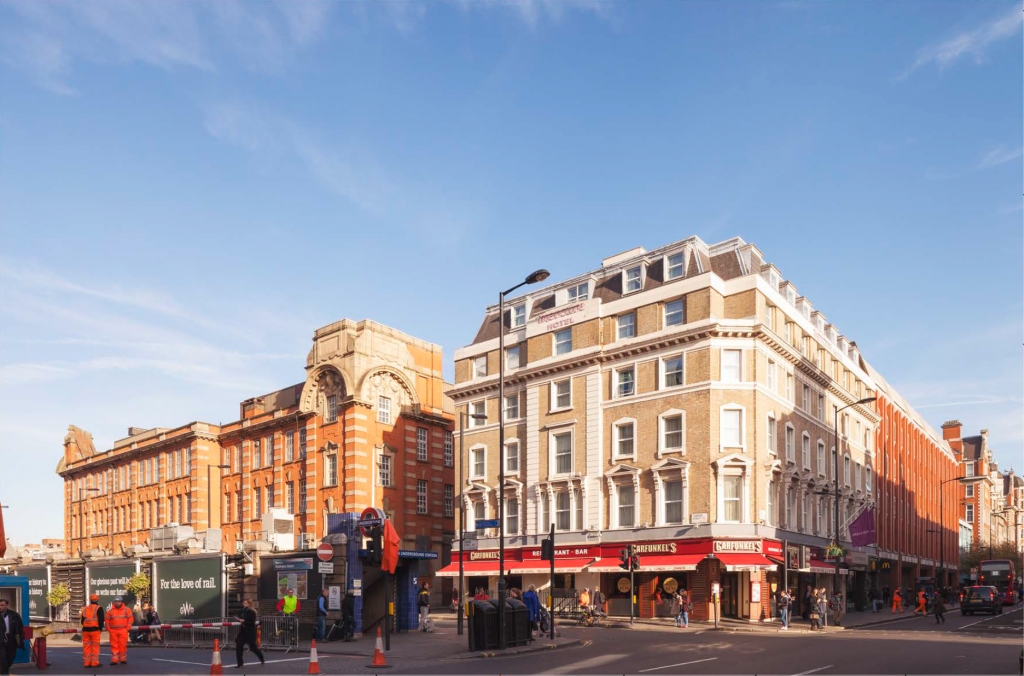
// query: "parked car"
[[981, 598]]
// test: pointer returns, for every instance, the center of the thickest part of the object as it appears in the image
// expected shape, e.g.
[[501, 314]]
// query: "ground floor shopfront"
[[739, 572]]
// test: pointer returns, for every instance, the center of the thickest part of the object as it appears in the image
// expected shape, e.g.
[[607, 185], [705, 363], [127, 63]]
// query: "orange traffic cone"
[[314, 661], [215, 665], [378, 652]]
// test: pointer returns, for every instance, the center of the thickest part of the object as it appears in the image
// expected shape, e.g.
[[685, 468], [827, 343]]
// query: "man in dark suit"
[[11, 636]]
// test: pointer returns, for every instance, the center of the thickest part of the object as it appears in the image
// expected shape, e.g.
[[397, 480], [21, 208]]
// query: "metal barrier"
[[279, 631]]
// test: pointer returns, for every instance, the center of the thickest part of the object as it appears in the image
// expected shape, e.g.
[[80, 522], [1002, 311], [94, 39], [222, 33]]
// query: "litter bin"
[[517, 623], [483, 625]]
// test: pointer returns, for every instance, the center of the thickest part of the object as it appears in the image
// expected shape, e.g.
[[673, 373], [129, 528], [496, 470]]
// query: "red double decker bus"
[[998, 573]]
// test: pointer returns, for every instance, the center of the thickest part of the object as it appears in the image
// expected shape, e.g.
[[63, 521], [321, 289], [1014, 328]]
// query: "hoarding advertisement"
[[189, 589], [110, 581], [38, 606]]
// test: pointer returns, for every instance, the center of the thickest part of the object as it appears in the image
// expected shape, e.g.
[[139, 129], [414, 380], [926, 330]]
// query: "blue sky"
[[189, 189]]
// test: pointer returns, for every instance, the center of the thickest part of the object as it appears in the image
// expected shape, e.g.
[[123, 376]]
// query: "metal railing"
[[275, 632], [279, 631]]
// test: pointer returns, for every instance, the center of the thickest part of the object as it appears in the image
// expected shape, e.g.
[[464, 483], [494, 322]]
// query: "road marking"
[[803, 673], [586, 664], [985, 620], [681, 664], [231, 666]]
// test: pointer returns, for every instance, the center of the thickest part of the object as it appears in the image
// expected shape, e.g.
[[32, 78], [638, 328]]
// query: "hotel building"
[[680, 400]]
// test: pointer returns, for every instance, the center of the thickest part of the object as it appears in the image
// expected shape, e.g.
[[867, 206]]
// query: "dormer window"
[[773, 280], [519, 316], [578, 292], [674, 266], [633, 279], [791, 296]]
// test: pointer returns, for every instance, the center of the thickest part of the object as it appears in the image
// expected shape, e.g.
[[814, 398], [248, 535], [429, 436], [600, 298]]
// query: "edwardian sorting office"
[[681, 400]]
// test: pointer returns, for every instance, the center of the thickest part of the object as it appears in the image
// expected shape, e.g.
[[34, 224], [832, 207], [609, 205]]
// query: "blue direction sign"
[[488, 523], [415, 554]]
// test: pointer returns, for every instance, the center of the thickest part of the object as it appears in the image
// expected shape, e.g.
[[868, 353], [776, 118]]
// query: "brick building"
[[980, 492], [369, 426], [680, 400]]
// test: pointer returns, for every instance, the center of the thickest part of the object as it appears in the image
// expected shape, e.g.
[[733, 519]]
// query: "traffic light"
[[374, 548], [547, 549], [635, 562], [624, 559]]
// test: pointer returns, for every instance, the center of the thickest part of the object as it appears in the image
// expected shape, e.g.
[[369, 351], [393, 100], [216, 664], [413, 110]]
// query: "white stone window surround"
[[821, 457], [742, 426], [732, 352], [517, 395], [555, 335], [790, 435], [518, 312], [667, 265], [625, 323], [772, 433], [513, 490], [615, 380], [626, 273], [559, 431], [471, 455], [616, 428], [476, 494], [512, 363], [577, 490], [734, 464], [620, 474], [479, 366], [671, 413], [476, 408], [665, 313], [509, 441], [670, 469], [553, 406], [663, 371], [805, 451], [773, 489]]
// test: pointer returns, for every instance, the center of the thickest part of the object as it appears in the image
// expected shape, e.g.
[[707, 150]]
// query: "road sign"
[[325, 552], [470, 545], [486, 523], [326, 568]]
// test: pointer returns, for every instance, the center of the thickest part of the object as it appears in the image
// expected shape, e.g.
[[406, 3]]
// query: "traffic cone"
[[378, 652], [314, 662], [215, 665]]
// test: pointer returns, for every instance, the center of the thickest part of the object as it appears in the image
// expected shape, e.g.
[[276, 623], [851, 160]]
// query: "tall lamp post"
[[209, 494], [462, 510], [81, 519], [835, 472], [942, 530], [533, 278]]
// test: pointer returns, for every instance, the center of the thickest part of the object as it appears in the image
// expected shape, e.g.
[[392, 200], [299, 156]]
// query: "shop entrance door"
[[730, 594]]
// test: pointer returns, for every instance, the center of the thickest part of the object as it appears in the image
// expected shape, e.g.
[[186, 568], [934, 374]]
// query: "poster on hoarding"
[[189, 588], [109, 581], [38, 586]]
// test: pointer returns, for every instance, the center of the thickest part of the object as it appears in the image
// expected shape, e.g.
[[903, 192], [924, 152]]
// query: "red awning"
[[561, 566], [654, 564], [818, 566], [472, 568], [745, 561]]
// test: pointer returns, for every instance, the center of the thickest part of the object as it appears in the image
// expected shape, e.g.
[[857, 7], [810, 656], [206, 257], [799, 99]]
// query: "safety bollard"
[[39, 648]]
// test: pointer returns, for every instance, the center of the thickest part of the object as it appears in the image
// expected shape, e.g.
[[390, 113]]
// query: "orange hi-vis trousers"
[[118, 645], [91, 648], [897, 604]]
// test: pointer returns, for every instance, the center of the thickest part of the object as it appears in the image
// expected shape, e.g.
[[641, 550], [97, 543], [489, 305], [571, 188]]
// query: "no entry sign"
[[325, 552]]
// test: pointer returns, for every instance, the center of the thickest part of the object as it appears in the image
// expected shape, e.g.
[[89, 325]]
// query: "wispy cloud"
[[973, 43], [993, 158], [48, 37]]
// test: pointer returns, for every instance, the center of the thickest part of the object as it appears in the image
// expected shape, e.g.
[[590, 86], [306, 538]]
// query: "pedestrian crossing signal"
[[624, 559], [547, 549]]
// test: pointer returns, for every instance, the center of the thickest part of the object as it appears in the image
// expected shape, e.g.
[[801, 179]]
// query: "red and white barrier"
[[186, 625]]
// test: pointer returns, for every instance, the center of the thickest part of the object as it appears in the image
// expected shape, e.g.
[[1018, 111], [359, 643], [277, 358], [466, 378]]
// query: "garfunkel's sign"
[[656, 548], [745, 546], [483, 556]]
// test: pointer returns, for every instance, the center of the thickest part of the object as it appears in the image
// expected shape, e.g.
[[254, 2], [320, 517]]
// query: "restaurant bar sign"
[[745, 546]]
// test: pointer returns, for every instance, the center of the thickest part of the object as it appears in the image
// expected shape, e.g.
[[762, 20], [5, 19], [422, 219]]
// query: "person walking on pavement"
[[785, 598], [808, 602], [885, 595], [137, 619], [321, 615], [922, 604], [598, 600], [838, 609], [455, 599], [585, 601], [677, 608], [12, 636], [247, 634], [823, 606], [532, 607], [939, 609], [119, 620], [423, 601], [348, 614], [897, 601], [873, 597], [92, 626]]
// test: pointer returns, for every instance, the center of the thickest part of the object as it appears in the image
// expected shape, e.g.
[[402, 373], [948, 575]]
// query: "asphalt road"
[[963, 645]]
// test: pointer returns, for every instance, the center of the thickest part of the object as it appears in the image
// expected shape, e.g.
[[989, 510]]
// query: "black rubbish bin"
[[517, 623], [483, 625]]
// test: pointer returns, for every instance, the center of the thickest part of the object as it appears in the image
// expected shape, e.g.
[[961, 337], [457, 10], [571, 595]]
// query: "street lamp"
[[942, 533], [835, 472], [80, 519], [533, 278], [209, 495], [462, 511]]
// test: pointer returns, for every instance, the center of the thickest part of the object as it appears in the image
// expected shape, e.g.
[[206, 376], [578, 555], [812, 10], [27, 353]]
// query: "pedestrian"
[[532, 604], [423, 601], [138, 619], [939, 609], [677, 608], [585, 601], [481, 595], [886, 595], [838, 609], [598, 601], [348, 615], [922, 604], [289, 604], [785, 599], [247, 634], [687, 608], [897, 601], [92, 626], [153, 619], [12, 636], [808, 602], [815, 616], [119, 620], [823, 606], [321, 615], [455, 599]]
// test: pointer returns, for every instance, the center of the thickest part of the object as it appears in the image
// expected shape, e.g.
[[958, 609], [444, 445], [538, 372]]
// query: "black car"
[[981, 598]]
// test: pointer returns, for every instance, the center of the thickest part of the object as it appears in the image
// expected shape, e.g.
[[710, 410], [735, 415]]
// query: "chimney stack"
[[951, 430]]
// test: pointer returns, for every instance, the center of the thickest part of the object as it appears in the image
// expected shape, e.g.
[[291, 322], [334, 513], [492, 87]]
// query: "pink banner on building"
[[862, 530]]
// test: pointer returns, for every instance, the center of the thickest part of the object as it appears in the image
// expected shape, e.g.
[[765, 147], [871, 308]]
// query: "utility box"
[[278, 528]]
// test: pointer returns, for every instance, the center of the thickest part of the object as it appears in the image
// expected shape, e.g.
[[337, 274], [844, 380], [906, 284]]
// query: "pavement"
[[903, 645]]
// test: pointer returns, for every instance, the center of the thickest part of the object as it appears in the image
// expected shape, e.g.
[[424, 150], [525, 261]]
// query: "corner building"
[[680, 400], [370, 425]]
